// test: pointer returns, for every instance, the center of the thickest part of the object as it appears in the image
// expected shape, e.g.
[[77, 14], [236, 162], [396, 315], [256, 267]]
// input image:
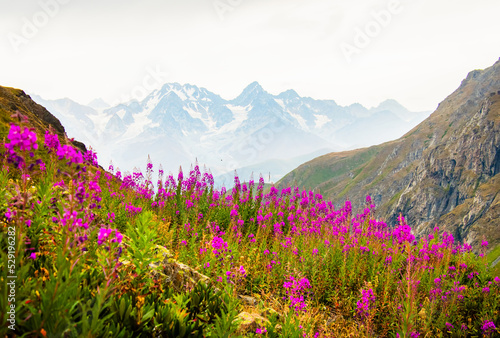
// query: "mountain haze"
[[254, 132]]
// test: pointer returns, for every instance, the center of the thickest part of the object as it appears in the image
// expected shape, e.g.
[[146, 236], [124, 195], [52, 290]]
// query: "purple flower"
[[242, 270], [91, 157], [25, 140], [104, 235], [33, 255], [366, 304], [118, 237], [296, 290], [69, 153], [484, 244], [261, 330], [488, 327], [449, 326], [9, 214], [51, 141]]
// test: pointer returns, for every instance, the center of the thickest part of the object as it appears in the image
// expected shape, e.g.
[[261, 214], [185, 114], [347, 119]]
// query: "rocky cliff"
[[444, 172]]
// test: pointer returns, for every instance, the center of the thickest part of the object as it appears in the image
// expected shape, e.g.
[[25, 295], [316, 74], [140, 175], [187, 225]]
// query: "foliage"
[[91, 250]]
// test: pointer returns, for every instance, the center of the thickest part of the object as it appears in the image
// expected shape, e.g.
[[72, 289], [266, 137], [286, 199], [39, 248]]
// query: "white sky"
[[86, 49]]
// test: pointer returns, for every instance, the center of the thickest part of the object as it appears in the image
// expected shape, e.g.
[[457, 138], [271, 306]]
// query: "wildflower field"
[[88, 252]]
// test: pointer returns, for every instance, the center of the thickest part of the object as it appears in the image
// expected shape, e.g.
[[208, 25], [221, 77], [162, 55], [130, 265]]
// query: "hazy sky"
[[415, 51]]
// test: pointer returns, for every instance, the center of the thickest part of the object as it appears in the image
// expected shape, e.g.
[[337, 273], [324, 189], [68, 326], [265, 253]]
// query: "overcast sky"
[[415, 51]]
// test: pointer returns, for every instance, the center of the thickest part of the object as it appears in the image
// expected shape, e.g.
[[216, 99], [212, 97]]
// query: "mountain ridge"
[[226, 135], [443, 172]]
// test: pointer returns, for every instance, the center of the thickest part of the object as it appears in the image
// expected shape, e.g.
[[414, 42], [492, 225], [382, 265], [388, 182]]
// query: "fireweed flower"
[[91, 157], [296, 290], [366, 304], [488, 327], [25, 140], [69, 153], [9, 214], [71, 220], [51, 141], [105, 234]]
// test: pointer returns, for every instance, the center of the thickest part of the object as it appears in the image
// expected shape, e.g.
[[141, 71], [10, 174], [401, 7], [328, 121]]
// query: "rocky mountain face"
[[442, 173], [15, 103], [255, 132]]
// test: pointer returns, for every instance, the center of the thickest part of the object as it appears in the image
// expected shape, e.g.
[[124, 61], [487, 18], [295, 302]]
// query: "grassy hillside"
[[441, 173]]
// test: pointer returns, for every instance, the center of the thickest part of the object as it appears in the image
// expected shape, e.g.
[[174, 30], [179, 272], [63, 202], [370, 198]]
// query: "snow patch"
[[121, 113], [141, 120], [300, 120], [280, 102], [195, 114], [321, 120], [240, 114]]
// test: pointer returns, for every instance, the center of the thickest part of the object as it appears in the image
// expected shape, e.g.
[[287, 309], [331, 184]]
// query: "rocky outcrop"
[[441, 173], [250, 322]]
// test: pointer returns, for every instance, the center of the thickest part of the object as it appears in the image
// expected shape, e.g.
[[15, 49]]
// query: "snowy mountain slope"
[[178, 124]]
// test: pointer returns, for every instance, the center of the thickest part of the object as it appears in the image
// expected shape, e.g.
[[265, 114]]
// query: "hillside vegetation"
[[442, 173], [108, 254]]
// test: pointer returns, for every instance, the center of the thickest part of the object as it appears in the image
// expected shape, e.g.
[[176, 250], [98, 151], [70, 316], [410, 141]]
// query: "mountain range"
[[444, 172], [255, 132]]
